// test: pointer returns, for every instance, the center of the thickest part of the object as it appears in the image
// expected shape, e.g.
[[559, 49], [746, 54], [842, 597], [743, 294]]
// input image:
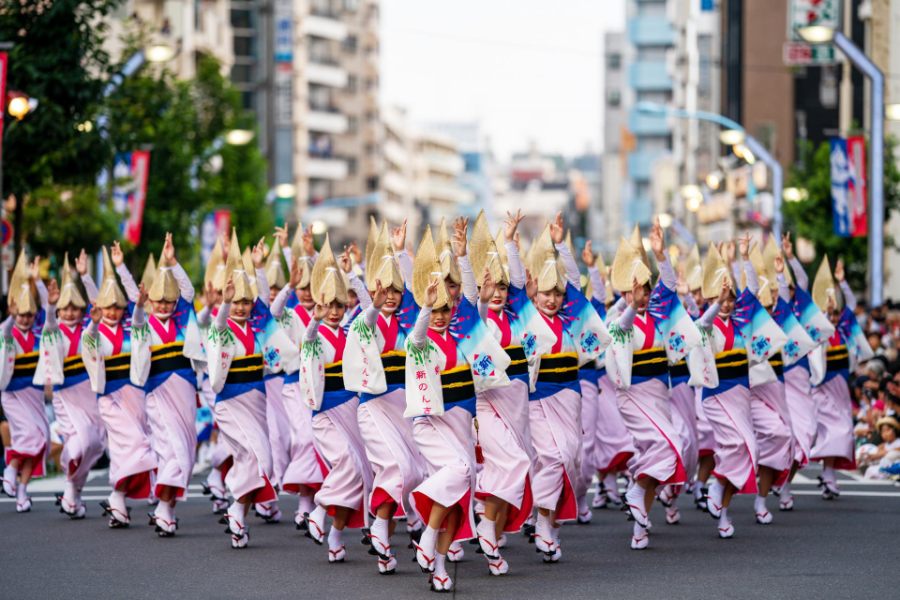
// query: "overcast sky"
[[526, 69]]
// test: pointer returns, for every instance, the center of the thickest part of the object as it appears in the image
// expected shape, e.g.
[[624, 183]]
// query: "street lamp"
[[160, 52], [755, 149], [285, 190], [795, 194], [732, 137], [714, 180], [892, 112], [817, 34], [744, 153], [238, 137]]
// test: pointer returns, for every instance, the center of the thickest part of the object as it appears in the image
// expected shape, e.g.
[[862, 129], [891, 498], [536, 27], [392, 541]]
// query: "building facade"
[[650, 37]]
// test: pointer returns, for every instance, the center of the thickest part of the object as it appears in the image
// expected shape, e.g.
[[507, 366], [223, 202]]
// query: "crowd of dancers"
[[471, 389]]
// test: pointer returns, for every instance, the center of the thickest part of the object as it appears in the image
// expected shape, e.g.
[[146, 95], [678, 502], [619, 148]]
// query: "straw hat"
[[483, 252], [449, 266], [629, 265], [21, 289], [426, 268], [715, 271], [237, 271], [824, 286], [327, 281], [542, 258], [69, 292], [111, 292]]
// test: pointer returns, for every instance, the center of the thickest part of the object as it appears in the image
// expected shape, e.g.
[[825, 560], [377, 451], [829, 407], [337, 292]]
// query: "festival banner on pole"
[[840, 178], [856, 157], [4, 61], [130, 174], [215, 224]]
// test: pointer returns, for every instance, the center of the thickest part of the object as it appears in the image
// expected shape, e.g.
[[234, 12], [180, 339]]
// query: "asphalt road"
[[847, 548]]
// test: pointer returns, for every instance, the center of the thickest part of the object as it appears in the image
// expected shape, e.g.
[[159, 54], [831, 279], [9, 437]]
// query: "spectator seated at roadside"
[[881, 460]]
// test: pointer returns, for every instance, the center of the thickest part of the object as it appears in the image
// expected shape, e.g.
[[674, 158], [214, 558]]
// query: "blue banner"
[[840, 186]]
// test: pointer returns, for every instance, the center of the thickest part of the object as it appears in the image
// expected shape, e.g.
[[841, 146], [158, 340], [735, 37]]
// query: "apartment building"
[[181, 31]]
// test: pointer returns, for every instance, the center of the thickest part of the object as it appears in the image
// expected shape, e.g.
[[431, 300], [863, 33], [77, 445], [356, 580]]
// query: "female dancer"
[[638, 366], [440, 393], [503, 433], [846, 347], [243, 341], [334, 421], [106, 347], [22, 385], [377, 341], [74, 403], [555, 406], [164, 347]]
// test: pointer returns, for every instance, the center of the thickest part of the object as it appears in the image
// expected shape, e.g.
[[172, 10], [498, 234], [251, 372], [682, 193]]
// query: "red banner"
[[4, 61], [856, 188], [130, 172]]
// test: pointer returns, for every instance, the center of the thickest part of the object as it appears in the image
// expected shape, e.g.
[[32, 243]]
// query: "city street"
[[820, 550]]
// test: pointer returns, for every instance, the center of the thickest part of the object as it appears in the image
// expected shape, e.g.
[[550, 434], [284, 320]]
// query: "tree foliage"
[[55, 219], [183, 123], [813, 218], [58, 59], [53, 163]]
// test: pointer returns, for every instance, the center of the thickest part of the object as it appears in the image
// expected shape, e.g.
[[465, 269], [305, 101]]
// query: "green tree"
[[183, 123], [68, 218], [813, 218], [58, 59]]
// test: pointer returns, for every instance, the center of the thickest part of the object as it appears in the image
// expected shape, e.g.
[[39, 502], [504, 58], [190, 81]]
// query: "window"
[[352, 124], [352, 83], [244, 46], [241, 18], [242, 74], [613, 61], [349, 44], [614, 98], [351, 166]]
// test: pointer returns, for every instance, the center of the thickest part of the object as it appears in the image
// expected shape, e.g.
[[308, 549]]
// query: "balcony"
[[324, 74], [326, 121], [449, 164], [649, 77], [446, 192], [326, 168], [641, 124], [651, 30], [396, 154], [394, 183], [324, 26], [641, 163]]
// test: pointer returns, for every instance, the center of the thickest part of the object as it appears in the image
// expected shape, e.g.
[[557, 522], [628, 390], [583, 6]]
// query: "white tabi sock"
[[440, 565], [786, 490], [22, 492], [759, 504], [638, 531], [335, 538], [236, 512], [381, 529], [724, 521], [428, 540], [554, 533], [164, 511], [70, 494], [610, 483], [117, 501], [828, 474], [214, 479], [305, 504]]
